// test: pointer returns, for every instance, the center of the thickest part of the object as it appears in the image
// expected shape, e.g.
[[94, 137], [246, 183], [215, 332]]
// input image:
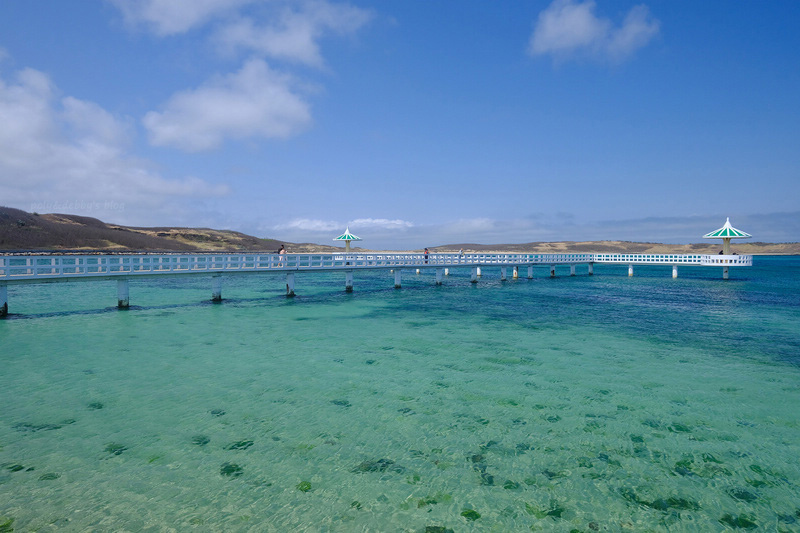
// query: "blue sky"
[[416, 123]]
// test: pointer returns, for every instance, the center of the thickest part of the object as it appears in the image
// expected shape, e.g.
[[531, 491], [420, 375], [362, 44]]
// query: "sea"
[[574, 403]]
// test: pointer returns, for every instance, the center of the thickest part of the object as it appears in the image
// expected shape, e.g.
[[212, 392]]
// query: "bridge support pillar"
[[530, 272], [290, 284], [417, 271], [478, 271], [515, 272], [591, 269], [552, 271], [3, 299], [502, 273], [446, 271], [474, 276], [439, 272], [123, 294], [216, 288], [348, 281], [397, 276], [724, 272], [572, 270], [630, 270], [674, 271]]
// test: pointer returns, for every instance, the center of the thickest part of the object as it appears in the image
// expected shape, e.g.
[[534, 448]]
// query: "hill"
[[31, 232], [22, 231]]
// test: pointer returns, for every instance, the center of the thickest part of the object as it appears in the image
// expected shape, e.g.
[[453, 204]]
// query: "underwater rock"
[[200, 440], [406, 410], [370, 361], [343, 403], [437, 529], [49, 476], [555, 510], [511, 485], [239, 445], [379, 465], [13, 467], [487, 479], [95, 405], [115, 449], [217, 412], [742, 521], [742, 495], [304, 486], [231, 469], [32, 428], [6, 524], [680, 428], [470, 514]]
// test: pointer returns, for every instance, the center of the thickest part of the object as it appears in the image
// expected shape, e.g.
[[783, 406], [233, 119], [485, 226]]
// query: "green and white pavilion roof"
[[347, 236], [727, 232]]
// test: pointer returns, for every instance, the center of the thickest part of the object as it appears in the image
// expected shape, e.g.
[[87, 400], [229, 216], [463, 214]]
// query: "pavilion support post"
[[348, 281], [216, 288], [552, 271], [724, 272], [630, 270], [123, 294], [290, 285], [474, 276], [515, 272], [530, 272], [591, 269], [397, 277], [3, 299], [572, 270], [439, 272], [674, 271], [502, 273]]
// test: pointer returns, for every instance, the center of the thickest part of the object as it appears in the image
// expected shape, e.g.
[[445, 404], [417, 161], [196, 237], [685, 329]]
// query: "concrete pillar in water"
[[530, 272], [572, 270], [290, 284], [724, 272], [674, 271], [446, 271], [417, 271], [591, 269], [123, 296], [474, 276], [348, 281], [216, 288], [630, 270], [478, 271], [3, 299], [552, 271], [515, 272], [502, 273], [439, 276], [397, 279]]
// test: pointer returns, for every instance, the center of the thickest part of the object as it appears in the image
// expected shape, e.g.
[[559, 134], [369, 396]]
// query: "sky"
[[415, 123]]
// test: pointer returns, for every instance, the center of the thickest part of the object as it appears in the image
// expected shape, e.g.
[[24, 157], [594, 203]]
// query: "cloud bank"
[[568, 29], [258, 100], [66, 154]]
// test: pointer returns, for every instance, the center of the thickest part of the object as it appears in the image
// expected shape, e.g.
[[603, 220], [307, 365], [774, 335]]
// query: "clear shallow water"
[[601, 403]]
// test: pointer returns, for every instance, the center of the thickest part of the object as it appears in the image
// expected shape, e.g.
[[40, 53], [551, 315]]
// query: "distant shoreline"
[[34, 234]]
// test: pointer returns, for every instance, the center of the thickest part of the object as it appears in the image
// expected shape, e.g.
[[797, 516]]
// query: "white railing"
[[726, 260], [31, 267], [649, 259]]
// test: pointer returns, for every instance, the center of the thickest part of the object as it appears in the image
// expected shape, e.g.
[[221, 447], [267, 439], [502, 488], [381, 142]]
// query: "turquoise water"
[[602, 403]]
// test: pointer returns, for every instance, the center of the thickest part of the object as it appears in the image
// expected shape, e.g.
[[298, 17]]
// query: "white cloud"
[[255, 101], [293, 33], [168, 17], [308, 225], [68, 154], [568, 28], [380, 223]]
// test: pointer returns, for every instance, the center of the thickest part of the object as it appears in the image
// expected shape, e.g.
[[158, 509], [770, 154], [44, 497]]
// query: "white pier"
[[16, 269]]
